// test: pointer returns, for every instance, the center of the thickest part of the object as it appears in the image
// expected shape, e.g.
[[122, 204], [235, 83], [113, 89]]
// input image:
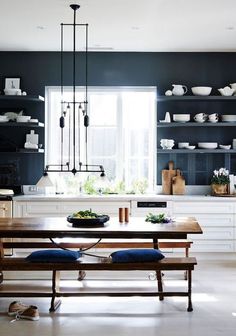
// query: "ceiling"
[[121, 25]]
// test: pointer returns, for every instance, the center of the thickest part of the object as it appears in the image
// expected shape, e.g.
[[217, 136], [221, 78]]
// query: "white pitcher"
[[179, 90]]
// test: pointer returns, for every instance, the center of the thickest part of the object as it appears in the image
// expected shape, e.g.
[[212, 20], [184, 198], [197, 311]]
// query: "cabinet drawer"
[[212, 246], [108, 208], [203, 207], [210, 233], [42, 208], [208, 220]]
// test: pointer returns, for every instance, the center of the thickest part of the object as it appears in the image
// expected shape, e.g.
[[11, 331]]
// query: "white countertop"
[[102, 198]]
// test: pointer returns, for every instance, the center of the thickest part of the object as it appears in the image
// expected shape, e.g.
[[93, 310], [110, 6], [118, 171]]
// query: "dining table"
[[58, 227], [53, 228]]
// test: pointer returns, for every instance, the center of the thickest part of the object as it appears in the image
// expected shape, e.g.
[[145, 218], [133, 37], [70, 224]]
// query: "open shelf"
[[197, 150], [18, 124], [196, 124], [25, 151], [22, 98], [195, 98]]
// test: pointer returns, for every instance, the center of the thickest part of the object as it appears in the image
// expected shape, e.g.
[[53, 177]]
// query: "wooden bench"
[[98, 264], [180, 243]]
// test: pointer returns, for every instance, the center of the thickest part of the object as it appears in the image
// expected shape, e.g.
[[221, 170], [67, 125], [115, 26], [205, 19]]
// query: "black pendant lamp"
[[71, 110]]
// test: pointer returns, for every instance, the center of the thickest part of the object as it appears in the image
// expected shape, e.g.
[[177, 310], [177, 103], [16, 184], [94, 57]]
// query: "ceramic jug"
[[179, 90]]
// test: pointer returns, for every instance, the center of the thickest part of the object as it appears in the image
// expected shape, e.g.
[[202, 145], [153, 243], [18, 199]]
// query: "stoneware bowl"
[[201, 90]]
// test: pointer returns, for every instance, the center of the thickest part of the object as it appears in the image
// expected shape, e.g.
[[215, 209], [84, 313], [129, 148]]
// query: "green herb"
[[160, 218], [85, 214]]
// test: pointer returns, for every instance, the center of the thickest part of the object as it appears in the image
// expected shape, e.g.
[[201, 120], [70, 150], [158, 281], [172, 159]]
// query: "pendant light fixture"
[[71, 113]]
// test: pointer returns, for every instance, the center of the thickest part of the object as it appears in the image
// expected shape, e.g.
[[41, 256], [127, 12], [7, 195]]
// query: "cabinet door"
[[42, 209], [203, 207]]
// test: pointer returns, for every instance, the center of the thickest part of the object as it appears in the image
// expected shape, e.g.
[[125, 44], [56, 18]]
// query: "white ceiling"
[[121, 25]]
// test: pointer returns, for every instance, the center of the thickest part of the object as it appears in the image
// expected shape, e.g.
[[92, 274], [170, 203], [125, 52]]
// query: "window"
[[121, 135]]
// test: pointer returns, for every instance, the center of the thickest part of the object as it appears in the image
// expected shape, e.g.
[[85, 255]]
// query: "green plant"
[[160, 218], [220, 176], [89, 185], [139, 186]]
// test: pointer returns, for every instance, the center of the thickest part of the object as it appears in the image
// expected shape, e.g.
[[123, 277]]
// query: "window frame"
[[120, 155]]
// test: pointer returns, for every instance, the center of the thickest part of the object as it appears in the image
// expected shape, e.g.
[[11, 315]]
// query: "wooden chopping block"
[[178, 184], [167, 175]]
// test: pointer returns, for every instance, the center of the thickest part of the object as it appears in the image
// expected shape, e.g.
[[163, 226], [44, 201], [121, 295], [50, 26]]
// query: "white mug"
[[213, 116], [201, 115]]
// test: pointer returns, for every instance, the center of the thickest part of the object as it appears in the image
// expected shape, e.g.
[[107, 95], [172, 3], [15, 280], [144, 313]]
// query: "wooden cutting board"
[[178, 184], [167, 175]]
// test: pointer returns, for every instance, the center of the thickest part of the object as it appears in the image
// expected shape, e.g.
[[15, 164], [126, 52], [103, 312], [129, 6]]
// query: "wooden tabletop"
[[179, 228]]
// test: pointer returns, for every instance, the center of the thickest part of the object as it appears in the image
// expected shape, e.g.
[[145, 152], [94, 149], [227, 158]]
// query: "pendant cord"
[[74, 140], [62, 93]]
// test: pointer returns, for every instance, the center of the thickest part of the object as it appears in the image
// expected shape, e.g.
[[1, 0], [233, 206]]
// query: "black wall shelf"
[[25, 151], [17, 124], [197, 151], [22, 98], [196, 124], [195, 98]]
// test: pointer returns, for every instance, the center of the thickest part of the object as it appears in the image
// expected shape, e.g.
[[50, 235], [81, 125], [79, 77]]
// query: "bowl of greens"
[[159, 218], [87, 218]]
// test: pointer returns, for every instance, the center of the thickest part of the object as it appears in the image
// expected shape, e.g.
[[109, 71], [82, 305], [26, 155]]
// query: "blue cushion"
[[136, 255], [53, 256]]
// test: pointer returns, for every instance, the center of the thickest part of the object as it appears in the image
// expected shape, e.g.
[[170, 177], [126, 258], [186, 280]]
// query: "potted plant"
[[220, 182]]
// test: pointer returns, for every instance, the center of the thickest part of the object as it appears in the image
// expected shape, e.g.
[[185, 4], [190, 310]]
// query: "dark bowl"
[[88, 222]]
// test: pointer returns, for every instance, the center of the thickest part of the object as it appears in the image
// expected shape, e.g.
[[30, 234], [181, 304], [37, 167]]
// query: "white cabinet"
[[217, 220], [64, 208]]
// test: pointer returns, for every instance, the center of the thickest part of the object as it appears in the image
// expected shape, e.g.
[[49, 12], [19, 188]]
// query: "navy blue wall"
[[40, 69]]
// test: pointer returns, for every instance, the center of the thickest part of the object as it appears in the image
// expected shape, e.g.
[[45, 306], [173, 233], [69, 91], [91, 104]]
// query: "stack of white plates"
[[3, 118], [207, 145], [228, 118]]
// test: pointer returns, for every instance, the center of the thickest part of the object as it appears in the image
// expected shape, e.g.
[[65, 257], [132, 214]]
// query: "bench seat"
[[98, 264]]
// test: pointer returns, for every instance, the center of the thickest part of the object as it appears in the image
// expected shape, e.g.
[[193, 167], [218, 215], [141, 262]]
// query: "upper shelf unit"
[[195, 98], [22, 98]]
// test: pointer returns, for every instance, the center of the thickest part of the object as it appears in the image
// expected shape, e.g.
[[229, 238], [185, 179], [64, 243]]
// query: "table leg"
[[158, 273], [1, 256]]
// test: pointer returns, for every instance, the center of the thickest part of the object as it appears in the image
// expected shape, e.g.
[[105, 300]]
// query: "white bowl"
[[191, 147], [23, 118], [12, 92], [183, 145], [181, 117], [207, 145], [201, 90], [225, 146], [228, 117]]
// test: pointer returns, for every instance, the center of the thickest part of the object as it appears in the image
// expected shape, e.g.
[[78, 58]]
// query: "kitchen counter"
[[102, 198]]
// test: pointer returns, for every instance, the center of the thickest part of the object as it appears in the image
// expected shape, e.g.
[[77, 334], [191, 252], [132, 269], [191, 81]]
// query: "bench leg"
[[159, 284], [81, 275], [55, 288], [186, 255], [190, 306]]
